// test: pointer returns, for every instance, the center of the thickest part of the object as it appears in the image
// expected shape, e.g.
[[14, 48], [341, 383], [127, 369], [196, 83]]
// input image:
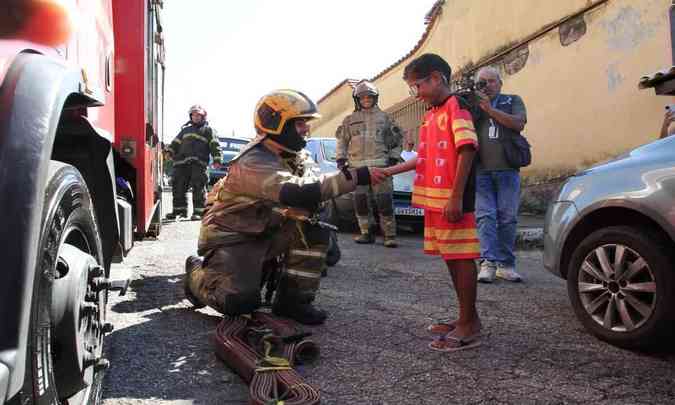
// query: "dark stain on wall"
[[515, 61], [572, 30]]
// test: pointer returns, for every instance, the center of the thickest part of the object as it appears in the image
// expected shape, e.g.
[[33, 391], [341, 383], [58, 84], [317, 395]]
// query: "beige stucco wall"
[[333, 110], [583, 102]]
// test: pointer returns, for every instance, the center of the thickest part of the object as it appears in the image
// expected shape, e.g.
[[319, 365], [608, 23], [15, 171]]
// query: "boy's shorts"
[[451, 241]]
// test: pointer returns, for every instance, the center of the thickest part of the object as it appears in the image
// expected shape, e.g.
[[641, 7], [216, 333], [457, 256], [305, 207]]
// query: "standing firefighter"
[[190, 151], [369, 137], [256, 215]]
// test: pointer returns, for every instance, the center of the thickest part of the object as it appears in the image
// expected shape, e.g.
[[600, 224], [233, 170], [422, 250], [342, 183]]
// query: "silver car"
[[610, 233]]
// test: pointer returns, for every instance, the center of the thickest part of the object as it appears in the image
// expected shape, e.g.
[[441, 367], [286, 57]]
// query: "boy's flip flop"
[[450, 343], [441, 327]]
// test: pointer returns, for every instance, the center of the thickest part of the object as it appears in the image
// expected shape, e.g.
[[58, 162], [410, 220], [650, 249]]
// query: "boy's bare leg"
[[463, 274]]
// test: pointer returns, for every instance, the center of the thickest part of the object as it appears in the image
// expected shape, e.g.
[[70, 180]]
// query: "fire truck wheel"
[[64, 363]]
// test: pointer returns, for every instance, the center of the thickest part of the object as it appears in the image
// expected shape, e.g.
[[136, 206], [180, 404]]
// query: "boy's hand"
[[377, 175], [453, 209]]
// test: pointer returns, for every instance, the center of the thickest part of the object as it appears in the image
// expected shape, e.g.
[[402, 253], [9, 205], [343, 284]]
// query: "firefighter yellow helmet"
[[275, 109]]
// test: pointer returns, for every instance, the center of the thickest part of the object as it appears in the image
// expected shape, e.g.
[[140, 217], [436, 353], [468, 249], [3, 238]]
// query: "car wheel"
[[620, 283], [64, 363]]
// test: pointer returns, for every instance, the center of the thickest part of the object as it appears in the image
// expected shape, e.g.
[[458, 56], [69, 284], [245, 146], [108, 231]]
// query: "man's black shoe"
[[191, 263], [306, 314]]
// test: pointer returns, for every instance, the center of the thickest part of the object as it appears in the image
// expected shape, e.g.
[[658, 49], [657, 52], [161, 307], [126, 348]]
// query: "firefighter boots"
[[390, 242], [191, 263], [365, 238], [176, 213], [305, 313]]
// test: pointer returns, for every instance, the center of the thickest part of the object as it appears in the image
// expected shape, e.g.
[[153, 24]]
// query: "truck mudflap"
[[263, 349]]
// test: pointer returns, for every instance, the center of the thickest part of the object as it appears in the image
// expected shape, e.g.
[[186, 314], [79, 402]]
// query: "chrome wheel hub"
[[617, 288]]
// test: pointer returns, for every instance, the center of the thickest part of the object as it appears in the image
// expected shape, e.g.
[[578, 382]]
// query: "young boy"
[[447, 145]]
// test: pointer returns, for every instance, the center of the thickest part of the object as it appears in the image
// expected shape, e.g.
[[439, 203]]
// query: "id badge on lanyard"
[[493, 131]]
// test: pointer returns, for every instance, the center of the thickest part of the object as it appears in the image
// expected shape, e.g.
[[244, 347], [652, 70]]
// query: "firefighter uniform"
[[370, 137], [191, 151], [248, 224]]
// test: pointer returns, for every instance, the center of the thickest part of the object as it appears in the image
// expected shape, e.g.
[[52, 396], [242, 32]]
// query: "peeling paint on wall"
[[627, 30], [516, 60], [572, 30], [614, 77]]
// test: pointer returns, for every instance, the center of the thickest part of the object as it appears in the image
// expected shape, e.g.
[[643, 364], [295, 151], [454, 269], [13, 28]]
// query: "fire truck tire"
[[68, 226]]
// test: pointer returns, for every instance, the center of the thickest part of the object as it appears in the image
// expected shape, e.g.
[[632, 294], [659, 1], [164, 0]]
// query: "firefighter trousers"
[[190, 174], [382, 196], [230, 278]]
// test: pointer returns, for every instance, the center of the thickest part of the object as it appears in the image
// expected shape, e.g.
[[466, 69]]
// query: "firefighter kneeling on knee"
[[253, 218]]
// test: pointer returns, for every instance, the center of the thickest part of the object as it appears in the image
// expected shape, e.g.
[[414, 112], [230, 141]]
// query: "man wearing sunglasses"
[[370, 137], [497, 183]]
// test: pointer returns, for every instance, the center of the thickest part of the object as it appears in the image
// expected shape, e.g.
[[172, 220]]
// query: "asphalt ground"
[[374, 346]]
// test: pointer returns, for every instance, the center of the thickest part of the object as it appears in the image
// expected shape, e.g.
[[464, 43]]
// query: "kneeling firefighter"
[[247, 224]]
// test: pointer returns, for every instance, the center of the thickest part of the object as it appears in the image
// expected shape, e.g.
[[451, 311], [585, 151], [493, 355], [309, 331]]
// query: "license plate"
[[412, 211]]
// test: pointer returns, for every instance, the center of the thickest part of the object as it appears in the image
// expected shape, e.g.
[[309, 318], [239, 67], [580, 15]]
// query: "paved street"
[[374, 347]]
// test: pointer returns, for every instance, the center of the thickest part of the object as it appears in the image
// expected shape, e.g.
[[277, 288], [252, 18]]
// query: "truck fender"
[[32, 96]]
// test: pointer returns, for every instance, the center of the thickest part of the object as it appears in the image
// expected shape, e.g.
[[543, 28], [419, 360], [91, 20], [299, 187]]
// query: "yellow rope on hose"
[[272, 363], [265, 369]]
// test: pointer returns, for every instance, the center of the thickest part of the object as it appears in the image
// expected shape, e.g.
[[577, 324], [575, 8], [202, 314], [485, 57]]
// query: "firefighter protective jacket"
[[247, 203], [195, 144], [369, 138]]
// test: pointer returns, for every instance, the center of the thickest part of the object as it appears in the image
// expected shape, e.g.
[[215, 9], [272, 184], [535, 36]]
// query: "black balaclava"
[[289, 137]]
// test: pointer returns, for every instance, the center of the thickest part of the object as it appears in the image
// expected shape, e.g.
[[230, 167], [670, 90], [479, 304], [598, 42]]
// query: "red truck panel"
[[133, 83]]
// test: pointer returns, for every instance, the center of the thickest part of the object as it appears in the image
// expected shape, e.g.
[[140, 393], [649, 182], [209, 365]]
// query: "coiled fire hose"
[[262, 349]]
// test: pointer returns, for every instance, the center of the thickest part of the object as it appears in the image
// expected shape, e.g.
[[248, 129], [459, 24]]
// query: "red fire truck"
[[81, 104]]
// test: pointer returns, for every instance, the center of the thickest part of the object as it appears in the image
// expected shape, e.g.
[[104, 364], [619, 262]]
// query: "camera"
[[465, 89], [670, 108]]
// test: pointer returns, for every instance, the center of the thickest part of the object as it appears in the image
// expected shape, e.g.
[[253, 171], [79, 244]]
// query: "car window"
[[231, 144], [312, 148], [228, 156], [329, 146]]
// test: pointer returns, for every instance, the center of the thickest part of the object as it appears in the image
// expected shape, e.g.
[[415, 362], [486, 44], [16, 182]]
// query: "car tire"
[[633, 307], [68, 224]]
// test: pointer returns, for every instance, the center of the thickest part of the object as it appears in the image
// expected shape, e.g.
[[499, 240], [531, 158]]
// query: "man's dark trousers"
[[190, 174]]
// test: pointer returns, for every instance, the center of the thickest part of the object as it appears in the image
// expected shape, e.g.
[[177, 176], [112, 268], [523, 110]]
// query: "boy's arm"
[[378, 175], [401, 167]]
